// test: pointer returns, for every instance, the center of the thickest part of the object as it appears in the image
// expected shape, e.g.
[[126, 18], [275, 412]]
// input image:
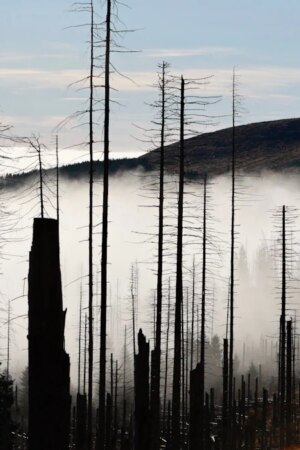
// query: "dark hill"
[[271, 145], [266, 145]]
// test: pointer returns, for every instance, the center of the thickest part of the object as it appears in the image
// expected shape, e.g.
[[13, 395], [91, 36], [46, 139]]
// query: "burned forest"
[[149, 300]]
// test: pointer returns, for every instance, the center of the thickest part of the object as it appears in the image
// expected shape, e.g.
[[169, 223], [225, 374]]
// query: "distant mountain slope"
[[273, 145]]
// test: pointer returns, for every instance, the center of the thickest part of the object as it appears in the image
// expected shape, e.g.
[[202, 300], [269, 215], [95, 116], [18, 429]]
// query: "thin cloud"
[[20, 57], [188, 52], [254, 80]]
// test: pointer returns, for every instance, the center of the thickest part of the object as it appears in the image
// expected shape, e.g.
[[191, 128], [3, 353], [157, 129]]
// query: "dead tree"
[[283, 334], [90, 253], [225, 396], [102, 383], [141, 411], [193, 314], [203, 307], [196, 410], [49, 382], [124, 409], [57, 178], [79, 343], [232, 250], [8, 337], [81, 403], [156, 353], [81, 415], [167, 358], [116, 404], [35, 144], [85, 352], [187, 369], [179, 294], [289, 436]]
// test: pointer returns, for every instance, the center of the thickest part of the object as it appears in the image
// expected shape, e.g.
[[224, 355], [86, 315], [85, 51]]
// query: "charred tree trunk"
[[282, 355], [101, 430], [108, 421], [141, 413], [193, 315], [196, 410], [167, 359], [91, 207], [203, 305], [81, 410], [156, 353], [289, 384], [178, 304], [116, 404], [49, 365], [124, 411], [79, 344], [225, 395], [231, 298]]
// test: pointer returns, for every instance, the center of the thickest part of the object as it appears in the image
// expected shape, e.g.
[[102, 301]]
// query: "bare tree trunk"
[[101, 430], [178, 304], [156, 353], [8, 339], [124, 412], [193, 314], [41, 180], [289, 383], [183, 374], [161, 220], [57, 178], [79, 343], [187, 356], [116, 404], [141, 413], [203, 306], [283, 336], [231, 298], [167, 359], [84, 355], [225, 395], [91, 181]]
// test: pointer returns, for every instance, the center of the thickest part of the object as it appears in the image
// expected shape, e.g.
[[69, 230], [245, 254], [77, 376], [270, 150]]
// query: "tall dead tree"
[[57, 178], [8, 338], [203, 311], [179, 292], [84, 353], [90, 253], [167, 358], [79, 343], [156, 353], [141, 410], [232, 250], [225, 395], [283, 332], [193, 313], [124, 409], [289, 436], [49, 365], [101, 428], [133, 306], [81, 403]]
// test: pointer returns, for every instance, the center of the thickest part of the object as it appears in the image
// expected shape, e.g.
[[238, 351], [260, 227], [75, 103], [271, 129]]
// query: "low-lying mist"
[[132, 248]]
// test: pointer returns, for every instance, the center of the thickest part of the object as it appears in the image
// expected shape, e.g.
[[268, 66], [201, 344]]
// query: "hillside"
[[266, 145], [273, 145]]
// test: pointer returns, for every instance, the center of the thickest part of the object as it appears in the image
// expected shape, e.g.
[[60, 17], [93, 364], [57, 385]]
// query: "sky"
[[42, 54]]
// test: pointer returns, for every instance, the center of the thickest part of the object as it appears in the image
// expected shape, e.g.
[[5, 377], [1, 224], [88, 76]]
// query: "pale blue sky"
[[40, 56]]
